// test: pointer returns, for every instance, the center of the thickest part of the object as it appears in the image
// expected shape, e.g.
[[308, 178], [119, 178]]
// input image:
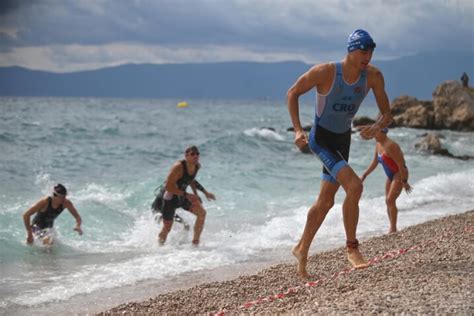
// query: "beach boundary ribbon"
[[392, 254]]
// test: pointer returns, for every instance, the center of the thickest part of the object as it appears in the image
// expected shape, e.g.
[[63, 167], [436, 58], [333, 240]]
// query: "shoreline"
[[424, 268], [93, 303]]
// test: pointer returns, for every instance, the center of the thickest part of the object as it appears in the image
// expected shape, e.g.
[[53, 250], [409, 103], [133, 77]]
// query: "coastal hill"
[[413, 75]]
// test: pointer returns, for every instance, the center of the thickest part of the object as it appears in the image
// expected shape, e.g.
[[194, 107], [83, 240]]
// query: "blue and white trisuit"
[[330, 137]]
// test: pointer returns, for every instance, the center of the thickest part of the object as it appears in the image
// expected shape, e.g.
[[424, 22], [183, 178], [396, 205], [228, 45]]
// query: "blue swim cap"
[[360, 39], [384, 130]]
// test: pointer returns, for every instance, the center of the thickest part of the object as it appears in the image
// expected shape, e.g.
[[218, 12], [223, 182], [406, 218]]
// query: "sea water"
[[112, 153]]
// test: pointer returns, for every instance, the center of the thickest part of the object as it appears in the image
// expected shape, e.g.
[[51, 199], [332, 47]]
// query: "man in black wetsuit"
[[173, 195], [47, 210]]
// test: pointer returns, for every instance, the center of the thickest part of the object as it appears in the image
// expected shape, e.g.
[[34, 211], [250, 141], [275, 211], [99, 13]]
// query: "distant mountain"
[[415, 75]]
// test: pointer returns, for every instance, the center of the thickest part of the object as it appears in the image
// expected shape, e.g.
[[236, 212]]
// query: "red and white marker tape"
[[388, 255]]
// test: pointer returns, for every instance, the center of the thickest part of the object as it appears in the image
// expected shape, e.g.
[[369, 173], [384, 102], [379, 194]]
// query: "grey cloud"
[[264, 24], [8, 6], [164, 22]]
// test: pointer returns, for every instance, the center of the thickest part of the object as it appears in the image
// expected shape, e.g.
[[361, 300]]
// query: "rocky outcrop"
[[452, 108], [411, 112], [431, 144]]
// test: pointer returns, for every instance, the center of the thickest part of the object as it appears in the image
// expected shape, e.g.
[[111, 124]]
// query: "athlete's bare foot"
[[302, 260], [161, 240], [356, 259], [196, 242]]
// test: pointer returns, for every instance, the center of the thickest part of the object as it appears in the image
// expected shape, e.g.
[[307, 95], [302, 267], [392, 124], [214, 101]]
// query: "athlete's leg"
[[333, 150], [314, 219], [167, 224], [388, 183], [168, 210], [353, 187], [200, 213], [198, 210], [391, 199], [387, 186]]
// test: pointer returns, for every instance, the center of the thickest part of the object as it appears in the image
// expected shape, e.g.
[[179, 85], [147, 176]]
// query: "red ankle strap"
[[352, 244]]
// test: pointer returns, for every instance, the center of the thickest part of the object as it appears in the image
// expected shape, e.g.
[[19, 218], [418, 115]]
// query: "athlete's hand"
[[408, 188], [210, 196], [29, 239], [301, 140], [368, 131], [78, 230]]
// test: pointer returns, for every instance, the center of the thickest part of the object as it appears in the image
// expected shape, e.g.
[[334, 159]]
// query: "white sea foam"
[[101, 194], [90, 278], [264, 133]]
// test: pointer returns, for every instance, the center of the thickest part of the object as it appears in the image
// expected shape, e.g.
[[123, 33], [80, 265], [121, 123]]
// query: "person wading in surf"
[[341, 87], [172, 195], [47, 210], [389, 154]]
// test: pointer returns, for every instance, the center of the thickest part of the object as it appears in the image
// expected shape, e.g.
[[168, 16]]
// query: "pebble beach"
[[422, 269]]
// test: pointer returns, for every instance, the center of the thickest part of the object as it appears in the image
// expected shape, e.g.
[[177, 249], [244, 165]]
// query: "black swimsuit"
[[168, 206], [45, 219]]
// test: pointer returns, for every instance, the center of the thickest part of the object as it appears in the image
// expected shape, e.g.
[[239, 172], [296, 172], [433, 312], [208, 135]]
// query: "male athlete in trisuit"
[[341, 87], [390, 156], [172, 195], [47, 209]]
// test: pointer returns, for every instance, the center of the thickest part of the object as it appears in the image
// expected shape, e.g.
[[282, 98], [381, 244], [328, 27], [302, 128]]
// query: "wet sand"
[[423, 269]]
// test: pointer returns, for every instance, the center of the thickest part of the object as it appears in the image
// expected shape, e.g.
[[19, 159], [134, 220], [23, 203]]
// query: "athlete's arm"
[[175, 173], [309, 80], [27, 215], [68, 204], [208, 195], [198, 186], [376, 82], [371, 167], [193, 187]]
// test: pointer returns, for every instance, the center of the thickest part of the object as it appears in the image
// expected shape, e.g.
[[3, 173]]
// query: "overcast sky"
[[70, 35]]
